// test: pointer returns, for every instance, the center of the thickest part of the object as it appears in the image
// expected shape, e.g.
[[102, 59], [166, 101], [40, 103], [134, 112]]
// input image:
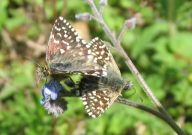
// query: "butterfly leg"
[[74, 88], [69, 82]]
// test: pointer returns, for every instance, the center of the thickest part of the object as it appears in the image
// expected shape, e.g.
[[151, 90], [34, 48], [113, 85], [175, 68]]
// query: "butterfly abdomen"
[[89, 83], [60, 66]]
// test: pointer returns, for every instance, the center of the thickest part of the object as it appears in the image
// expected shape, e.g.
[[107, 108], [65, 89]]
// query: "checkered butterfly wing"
[[97, 101], [67, 52], [99, 94], [104, 56]]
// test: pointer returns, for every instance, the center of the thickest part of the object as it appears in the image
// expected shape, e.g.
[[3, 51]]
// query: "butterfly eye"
[[45, 72]]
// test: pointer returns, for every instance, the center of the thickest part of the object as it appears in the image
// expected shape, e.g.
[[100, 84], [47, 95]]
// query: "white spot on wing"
[[104, 73], [62, 51], [83, 41], [89, 51], [65, 35], [57, 28], [68, 47], [56, 41], [80, 53], [61, 18], [95, 60], [88, 45], [90, 57]]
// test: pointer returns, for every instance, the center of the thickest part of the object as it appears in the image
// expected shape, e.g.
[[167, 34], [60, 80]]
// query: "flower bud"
[[130, 23], [103, 3], [83, 16]]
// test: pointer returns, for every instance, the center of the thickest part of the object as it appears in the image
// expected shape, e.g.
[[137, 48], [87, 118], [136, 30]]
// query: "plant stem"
[[133, 69], [124, 101]]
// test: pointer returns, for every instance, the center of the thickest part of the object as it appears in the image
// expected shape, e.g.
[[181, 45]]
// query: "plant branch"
[[124, 101], [132, 67]]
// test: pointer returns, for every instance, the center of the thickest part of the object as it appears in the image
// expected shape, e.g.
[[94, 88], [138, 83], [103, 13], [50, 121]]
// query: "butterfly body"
[[112, 81]]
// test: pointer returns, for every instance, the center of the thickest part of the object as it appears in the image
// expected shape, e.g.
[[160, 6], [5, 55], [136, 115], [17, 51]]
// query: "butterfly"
[[68, 53], [99, 93]]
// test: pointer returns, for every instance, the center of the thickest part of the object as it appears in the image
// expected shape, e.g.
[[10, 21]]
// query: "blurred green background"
[[160, 47]]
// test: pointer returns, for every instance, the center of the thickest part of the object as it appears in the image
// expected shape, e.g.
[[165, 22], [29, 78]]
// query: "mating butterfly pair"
[[68, 53]]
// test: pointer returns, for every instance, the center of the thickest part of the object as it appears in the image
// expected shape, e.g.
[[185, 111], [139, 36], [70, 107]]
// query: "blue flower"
[[50, 90], [52, 101]]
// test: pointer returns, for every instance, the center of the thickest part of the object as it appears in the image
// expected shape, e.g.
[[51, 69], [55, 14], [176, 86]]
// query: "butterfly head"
[[127, 85], [41, 72]]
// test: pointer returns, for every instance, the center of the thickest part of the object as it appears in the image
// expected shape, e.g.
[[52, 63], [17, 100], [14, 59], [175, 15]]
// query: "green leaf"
[[181, 45], [16, 21], [146, 39]]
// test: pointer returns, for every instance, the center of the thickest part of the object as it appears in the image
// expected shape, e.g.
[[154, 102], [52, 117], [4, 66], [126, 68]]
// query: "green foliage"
[[160, 47], [19, 79], [3, 13]]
